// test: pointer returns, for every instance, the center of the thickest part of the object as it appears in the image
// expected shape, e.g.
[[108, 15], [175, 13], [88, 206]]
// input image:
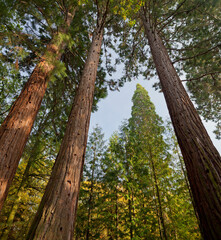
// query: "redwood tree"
[[56, 215], [16, 128], [201, 158]]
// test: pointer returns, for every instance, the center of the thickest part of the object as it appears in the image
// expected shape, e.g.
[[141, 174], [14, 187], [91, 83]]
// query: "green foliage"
[[88, 224], [27, 32], [137, 178], [190, 31], [36, 163], [118, 199]]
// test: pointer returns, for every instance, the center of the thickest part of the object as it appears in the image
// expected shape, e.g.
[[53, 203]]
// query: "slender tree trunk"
[[201, 158], [158, 215], [184, 172], [130, 202], [172, 233], [16, 128], [55, 218], [11, 216], [158, 198], [89, 213], [90, 202], [157, 210], [187, 184], [130, 218], [14, 209], [116, 213]]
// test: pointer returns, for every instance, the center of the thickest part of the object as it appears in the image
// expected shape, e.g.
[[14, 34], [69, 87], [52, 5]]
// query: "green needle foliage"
[[139, 186], [190, 31]]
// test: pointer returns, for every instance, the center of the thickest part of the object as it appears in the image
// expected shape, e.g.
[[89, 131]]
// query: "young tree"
[[17, 126], [88, 223], [152, 197], [142, 192], [179, 199], [147, 139], [92, 173]]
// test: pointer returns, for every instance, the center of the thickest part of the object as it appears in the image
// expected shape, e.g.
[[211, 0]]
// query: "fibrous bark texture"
[[16, 128], [57, 211], [202, 160]]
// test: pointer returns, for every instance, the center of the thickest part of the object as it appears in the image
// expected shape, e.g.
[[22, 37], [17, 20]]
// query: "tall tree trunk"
[[16, 128], [25, 176], [201, 158], [55, 218]]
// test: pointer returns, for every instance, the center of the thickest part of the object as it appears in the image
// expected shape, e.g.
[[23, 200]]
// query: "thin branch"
[[194, 79], [172, 14], [198, 45], [207, 13], [2, 113], [65, 7], [197, 55], [42, 13], [134, 38], [165, 4], [149, 13], [61, 7], [105, 14], [98, 10], [154, 14]]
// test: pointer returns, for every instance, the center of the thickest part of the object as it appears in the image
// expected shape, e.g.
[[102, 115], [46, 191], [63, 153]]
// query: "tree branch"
[[173, 14], [197, 55], [206, 74]]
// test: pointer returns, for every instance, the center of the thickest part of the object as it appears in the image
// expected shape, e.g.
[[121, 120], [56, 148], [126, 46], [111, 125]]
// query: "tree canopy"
[[57, 60]]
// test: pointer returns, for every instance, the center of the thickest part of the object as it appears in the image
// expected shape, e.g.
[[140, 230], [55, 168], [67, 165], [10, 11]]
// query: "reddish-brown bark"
[[16, 128], [56, 215], [202, 160]]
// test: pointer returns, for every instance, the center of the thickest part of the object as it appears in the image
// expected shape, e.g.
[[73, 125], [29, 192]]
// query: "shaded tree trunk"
[[187, 184], [201, 158], [55, 218], [130, 217], [159, 199], [116, 215], [10, 220], [25, 176], [130, 195], [16, 128], [89, 213], [158, 215], [90, 201]]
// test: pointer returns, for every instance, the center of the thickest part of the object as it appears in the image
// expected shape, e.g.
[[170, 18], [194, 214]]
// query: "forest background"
[[41, 36]]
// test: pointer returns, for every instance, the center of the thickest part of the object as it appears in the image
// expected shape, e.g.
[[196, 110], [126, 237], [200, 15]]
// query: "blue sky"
[[117, 106]]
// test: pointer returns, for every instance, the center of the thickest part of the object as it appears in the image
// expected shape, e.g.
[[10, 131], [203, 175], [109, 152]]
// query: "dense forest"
[[152, 179]]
